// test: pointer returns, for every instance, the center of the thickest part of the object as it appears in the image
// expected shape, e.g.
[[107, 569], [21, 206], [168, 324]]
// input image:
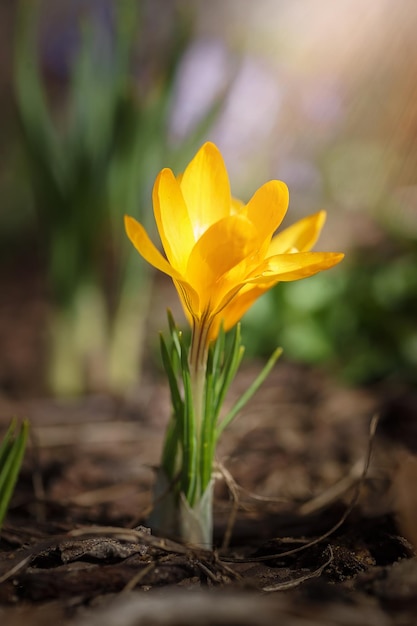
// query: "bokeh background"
[[96, 96]]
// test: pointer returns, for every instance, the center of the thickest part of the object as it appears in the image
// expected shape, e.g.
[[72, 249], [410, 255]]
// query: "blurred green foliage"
[[88, 163], [71, 163], [358, 319], [95, 158]]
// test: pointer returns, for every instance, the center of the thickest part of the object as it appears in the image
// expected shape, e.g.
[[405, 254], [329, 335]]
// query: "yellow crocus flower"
[[220, 253]]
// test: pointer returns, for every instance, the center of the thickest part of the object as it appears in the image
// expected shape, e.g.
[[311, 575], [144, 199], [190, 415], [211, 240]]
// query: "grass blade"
[[11, 460], [249, 392]]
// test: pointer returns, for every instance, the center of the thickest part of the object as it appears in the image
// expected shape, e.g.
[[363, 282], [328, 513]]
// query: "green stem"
[[207, 435], [189, 478], [197, 367]]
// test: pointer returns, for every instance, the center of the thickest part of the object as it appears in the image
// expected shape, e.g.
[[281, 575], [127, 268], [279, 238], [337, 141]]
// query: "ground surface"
[[68, 551], [297, 542]]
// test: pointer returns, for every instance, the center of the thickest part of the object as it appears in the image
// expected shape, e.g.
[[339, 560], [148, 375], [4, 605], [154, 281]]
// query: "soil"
[[314, 512]]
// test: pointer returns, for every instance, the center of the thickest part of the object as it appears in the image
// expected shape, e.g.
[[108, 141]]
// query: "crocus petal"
[[236, 206], [222, 247], [286, 267], [172, 219], [302, 235], [206, 189], [237, 307], [140, 239], [189, 299], [267, 207]]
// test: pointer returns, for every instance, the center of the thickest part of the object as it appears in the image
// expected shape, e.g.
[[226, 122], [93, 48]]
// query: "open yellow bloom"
[[222, 254]]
